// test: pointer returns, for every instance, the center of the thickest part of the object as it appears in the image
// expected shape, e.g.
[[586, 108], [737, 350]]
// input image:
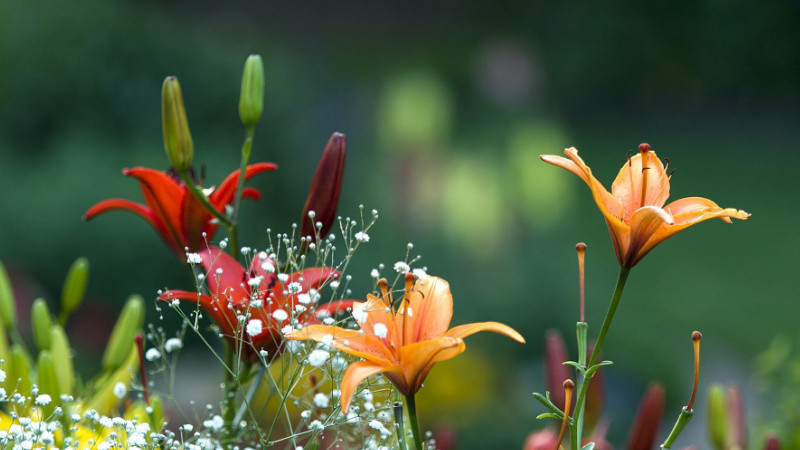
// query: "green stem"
[[577, 430], [229, 396], [398, 421], [247, 147], [201, 197], [412, 419]]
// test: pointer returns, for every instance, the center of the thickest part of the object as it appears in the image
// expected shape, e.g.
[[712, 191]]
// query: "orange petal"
[[372, 313], [627, 187], [353, 342], [644, 223], [463, 331], [416, 359], [431, 308], [354, 375]]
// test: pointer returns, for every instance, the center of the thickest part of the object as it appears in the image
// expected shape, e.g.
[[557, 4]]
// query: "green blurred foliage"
[[446, 107]]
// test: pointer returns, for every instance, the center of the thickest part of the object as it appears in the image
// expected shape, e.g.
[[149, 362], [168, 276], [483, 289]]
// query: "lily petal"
[[228, 284], [376, 319], [354, 375], [163, 195], [224, 318], [431, 305], [127, 205], [223, 196], [349, 341], [194, 220], [627, 187], [644, 223], [463, 331], [416, 359]]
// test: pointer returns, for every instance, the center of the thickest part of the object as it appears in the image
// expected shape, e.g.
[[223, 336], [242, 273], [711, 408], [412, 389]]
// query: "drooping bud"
[[62, 357], [48, 382], [41, 321], [323, 196], [717, 416], [74, 286], [555, 354], [647, 421], [8, 306], [737, 422], [121, 341], [177, 139], [251, 100], [541, 440]]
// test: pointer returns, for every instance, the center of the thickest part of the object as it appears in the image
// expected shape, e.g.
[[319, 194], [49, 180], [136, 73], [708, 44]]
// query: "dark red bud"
[[737, 425], [647, 421], [323, 196], [772, 443], [541, 440], [555, 353]]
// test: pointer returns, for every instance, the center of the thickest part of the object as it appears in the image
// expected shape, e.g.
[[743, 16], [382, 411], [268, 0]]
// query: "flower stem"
[[398, 421], [247, 146], [229, 393], [577, 428], [201, 197], [412, 419]]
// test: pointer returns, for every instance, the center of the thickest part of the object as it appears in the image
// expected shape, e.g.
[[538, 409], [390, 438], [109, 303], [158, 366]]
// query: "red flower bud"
[[595, 397], [541, 440], [645, 427], [737, 423], [772, 443], [555, 353], [323, 196]]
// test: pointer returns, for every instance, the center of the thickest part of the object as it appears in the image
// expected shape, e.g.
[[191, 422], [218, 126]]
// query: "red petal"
[[224, 195], [223, 316], [229, 285], [163, 195], [141, 211], [251, 193], [194, 220]]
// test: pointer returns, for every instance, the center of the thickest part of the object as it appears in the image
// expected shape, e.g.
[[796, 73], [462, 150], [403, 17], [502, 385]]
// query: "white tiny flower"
[[255, 281], [380, 330], [375, 273], [419, 273], [321, 400], [254, 327], [173, 344], [268, 267], [188, 427], [219, 271], [216, 423], [362, 237], [120, 390], [262, 255], [401, 267], [258, 303], [305, 414], [328, 321], [280, 315], [318, 357], [194, 258], [360, 313], [299, 309], [42, 399], [294, 287], [339, 363], [316, 426], [152, 354], [283, 277], [287, 329], [304, 299], [201, 276], [2, 375], [175, 303], [334, 284]]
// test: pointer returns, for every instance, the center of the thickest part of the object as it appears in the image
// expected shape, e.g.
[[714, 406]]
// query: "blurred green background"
[[446, 107]]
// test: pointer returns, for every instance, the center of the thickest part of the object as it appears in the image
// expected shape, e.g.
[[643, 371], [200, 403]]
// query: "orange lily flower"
[[402, 343], [171, 209], [271, 303], [634, 209]]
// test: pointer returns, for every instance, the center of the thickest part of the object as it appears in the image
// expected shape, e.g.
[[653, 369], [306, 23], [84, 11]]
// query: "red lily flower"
[[171, 209], [272, 301]]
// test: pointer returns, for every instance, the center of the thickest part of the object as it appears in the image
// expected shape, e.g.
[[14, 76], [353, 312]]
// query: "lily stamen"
[[569, 386], [644, 149], [386, 294], [696, 336], [406, 300]]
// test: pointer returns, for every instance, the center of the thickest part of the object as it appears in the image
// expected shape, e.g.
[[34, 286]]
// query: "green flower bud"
[[121, 341], [251, 101], [157, 414], [177, 139], [104, 401], [62, 356], [20, 373], [8, 306], [48, 382], [74, 286], [717, 416], [41, 321]]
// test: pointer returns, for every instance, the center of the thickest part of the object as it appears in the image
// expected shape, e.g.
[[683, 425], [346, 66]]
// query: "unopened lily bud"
[[647, 421], [177, 139], [41, 321], [595, 397], [717, 416], [48, 381], [772, 443], [737, 422], [8, 306], [20, 370], [555, 353], [251, 100], [156, 415], [323, 196], [62, 357], [122, 337], [106, 398], [541, 440], [74, 286]]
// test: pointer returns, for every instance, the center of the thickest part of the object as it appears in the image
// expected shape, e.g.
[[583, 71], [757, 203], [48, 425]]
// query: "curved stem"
[[584, 385], [412, 419], [233, 234]]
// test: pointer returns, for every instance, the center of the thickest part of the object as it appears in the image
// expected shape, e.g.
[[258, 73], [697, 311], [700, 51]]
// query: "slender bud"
[[121, 341], [157, 414], [21, 370], [647, 421], [737, 422], [717, 416], [48, 381], [177, 139], [555, 353], [74, 286], [41, 321], [62, 357], [323, 196], [251, 100], [8, 308]]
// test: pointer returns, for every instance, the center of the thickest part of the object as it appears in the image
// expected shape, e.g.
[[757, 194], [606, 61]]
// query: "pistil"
[[644, 149]]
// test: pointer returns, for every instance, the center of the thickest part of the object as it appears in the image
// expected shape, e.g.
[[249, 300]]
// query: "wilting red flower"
[[171, 209], [323, 196], [271, 300], [634, 209]]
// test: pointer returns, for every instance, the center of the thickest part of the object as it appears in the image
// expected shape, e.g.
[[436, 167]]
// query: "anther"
[[386, 296], [569, 386], [628, 157]]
